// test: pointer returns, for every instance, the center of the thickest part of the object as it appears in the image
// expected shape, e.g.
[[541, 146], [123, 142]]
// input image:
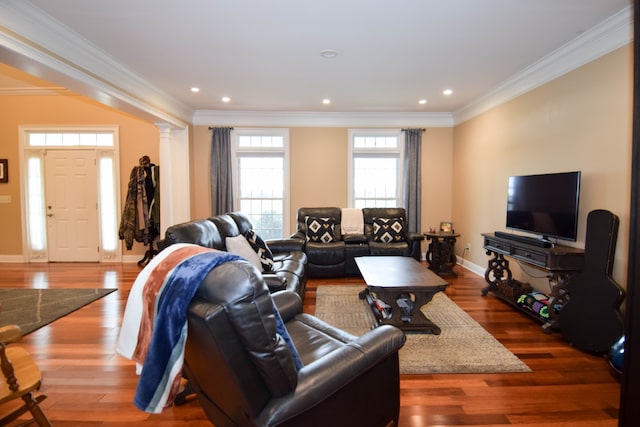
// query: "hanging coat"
[[134, 224]]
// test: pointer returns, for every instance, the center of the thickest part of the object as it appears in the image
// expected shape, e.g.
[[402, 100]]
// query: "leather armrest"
[[274, 282], [285, 245], [412, 236], [298, 235], [354, 238], [345, 364], [289, 304]]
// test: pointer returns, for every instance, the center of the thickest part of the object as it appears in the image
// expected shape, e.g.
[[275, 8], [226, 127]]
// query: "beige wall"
[[137, 138], [319, 171], [580, 121]]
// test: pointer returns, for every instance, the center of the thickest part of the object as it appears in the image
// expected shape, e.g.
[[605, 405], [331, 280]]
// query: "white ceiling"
[[265, 55]]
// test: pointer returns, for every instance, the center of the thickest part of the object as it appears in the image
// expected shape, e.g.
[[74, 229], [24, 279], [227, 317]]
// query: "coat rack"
[[141, 216]]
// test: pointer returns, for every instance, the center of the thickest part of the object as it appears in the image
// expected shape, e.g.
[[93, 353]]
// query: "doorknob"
[[49, 215]]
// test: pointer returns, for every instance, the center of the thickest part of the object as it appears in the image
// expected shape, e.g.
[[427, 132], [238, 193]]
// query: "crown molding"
[[36, 43], [33, 41], [35, 91], [612, 33], [320, 119]]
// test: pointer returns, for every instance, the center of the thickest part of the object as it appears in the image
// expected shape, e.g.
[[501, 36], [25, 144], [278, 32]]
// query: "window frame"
[[237, 152], [373, 152]]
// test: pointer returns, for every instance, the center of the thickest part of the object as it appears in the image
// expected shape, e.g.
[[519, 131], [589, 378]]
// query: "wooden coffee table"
[[405, 285]]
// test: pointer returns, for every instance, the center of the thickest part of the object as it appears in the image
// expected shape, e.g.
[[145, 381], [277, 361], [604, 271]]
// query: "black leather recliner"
[[243, 372], [323, 259], [410, 246]]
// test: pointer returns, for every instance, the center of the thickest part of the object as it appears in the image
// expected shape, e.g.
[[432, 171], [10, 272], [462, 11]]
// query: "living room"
[[581, 120]]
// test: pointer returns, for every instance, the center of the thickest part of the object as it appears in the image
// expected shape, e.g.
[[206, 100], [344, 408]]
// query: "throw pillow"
[[321, 229], [240, 246], [388, 230], [261, 248]]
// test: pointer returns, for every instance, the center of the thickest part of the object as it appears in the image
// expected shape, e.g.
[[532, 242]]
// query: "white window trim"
[[284, 133], [375, 132], [101, 151]]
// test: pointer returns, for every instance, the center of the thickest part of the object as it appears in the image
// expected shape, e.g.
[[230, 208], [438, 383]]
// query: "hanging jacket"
[[134, 224]]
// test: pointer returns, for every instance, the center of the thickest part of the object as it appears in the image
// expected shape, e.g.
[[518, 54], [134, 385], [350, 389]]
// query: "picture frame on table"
[[4, 170], [446, 227]]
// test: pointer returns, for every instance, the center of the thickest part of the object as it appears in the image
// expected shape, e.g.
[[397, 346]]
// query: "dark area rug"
[[34, 308]]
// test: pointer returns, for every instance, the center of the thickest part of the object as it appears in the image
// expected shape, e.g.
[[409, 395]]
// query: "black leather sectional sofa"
[[332, 254], [288, 269], [318, 248]]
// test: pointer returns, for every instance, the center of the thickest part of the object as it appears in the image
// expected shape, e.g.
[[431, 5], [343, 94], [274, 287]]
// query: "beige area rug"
[[463, 346]]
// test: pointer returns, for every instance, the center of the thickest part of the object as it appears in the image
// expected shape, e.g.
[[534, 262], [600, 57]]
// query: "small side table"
[[441, 255]]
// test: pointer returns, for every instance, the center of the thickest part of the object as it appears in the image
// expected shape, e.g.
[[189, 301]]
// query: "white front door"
[[71, 205]]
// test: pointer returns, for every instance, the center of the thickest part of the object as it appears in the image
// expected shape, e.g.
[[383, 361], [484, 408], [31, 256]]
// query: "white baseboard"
[[474, 268], [20, 259]]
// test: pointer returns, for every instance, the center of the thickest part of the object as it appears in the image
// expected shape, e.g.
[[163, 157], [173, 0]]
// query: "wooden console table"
[[560, 262]]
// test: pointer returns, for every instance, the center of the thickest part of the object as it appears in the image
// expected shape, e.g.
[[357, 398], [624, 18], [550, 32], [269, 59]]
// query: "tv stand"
[[560, 262], [539, 242]]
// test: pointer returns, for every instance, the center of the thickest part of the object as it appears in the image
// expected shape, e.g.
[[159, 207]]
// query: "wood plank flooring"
[[88, 384]]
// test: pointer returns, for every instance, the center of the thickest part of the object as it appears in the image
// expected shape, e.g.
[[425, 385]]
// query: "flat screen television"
[[544, 204]]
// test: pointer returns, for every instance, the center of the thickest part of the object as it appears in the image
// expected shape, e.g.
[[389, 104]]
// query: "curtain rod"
[[212, 128], [423, 129]]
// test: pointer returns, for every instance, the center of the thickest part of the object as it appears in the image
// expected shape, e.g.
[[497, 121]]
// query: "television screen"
[[545, 204]]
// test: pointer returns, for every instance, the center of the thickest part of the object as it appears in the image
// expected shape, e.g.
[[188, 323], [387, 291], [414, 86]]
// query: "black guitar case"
[[591, 319]]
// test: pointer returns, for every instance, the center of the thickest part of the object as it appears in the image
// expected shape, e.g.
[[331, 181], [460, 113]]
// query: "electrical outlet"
[[469, 247]]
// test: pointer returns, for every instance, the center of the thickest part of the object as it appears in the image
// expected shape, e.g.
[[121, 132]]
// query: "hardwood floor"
[[88, 384]]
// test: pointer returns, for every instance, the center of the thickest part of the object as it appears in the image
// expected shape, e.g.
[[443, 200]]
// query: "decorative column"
[[174, 176]]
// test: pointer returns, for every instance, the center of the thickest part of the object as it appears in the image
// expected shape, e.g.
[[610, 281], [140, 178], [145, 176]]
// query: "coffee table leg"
[[415, 320]]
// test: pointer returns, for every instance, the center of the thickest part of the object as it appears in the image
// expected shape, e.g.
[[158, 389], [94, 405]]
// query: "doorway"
[[71, 205], [70, 194]]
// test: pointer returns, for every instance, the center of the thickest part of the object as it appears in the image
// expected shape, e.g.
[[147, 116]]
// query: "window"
[[375, 168], [260, 179]]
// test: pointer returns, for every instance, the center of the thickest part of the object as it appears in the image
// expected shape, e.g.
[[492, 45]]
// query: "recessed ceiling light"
[[226, 99], [447, 92], [422, 101], [326, 101], [329, 53], [195, 89]]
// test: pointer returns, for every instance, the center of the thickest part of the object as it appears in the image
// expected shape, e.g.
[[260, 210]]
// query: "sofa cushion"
[[388, 230], [260, 248], [240, 246], [321, 230]]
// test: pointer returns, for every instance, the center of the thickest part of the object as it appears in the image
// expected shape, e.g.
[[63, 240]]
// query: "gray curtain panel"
[[221, 180], [412, 178]]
